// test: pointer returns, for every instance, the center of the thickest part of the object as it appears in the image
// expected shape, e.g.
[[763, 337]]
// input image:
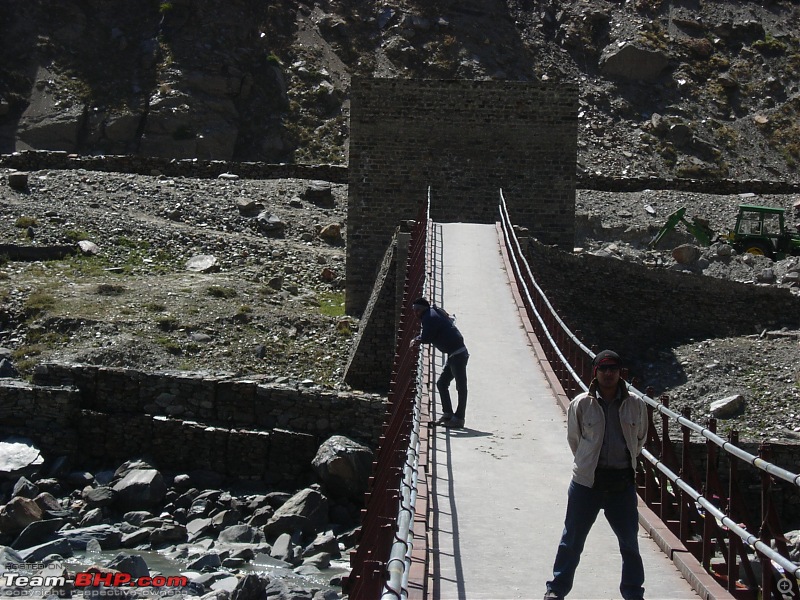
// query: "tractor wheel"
[[758, 248]]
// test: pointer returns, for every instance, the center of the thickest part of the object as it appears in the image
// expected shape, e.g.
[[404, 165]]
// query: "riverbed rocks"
[[215, 535]]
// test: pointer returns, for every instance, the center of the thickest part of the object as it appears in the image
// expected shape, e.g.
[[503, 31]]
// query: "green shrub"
[[110, 289], [24, 222], [167, 323], [331, 304], [219, 291], [75, 235], [37, 303], [770, 45], [169, 345]]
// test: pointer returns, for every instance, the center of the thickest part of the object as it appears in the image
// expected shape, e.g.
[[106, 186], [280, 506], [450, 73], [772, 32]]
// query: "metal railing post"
[[709, 525], [664, 512], [733, 539], [686, 468], [764, 452]]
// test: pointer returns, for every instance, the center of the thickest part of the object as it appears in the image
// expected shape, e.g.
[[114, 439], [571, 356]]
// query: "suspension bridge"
[[477, 513]]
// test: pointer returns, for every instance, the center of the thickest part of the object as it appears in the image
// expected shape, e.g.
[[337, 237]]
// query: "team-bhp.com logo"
[[17, 580]]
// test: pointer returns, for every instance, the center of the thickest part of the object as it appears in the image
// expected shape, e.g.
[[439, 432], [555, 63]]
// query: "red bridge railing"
[[377, 565], [711, 519]]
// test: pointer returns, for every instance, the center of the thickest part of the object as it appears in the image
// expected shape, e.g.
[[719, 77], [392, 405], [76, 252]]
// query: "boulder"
[[18, 514], [133, 564], [199, 528], [168, 533], [48, 123], [306, 511], [88, 248], [686, 254], [202, 263], [241, 534], [25, 488], [250, 587], [248, 207], [140, 489], [206, 561], [269, 222], [61, 547], [766, 276], [7, 368], [107, 536], [38, 532], [94, 516], [49, 504], [343, 466], [18, 180], [325, 543], [319, 193], [727, 407], [137, 517], [283, 548], [18, 454], [99, 496], [633, 63], [136, 538], [331, 233]]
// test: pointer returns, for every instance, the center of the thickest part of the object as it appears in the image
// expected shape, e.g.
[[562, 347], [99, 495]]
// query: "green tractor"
[[759, 230], [762, 230]]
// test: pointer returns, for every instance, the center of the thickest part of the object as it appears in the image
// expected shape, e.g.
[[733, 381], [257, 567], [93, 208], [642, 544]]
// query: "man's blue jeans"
[[583, 506], [455, 368]]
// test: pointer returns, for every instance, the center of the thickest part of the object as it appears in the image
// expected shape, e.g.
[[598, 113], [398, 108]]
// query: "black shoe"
[[444, 419], [551, 595], [454, 423]]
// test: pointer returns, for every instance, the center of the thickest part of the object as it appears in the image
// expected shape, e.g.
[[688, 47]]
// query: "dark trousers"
[[455, 368], [583, 506]]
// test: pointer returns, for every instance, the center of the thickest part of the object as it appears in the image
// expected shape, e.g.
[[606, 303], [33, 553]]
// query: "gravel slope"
[[272, 306]]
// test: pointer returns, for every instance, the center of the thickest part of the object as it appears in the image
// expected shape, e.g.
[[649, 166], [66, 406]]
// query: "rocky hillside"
[[684, 89], [671, 89]]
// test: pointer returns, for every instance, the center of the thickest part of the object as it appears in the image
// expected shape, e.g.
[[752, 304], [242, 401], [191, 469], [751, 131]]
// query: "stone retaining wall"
[[640, 311], [36, 160], [369, 366], [244, 429]]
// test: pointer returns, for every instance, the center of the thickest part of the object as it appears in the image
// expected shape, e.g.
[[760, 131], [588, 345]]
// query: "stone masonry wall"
[[466, 140], [182, 421], [35, 160], [369, 366], [637, 310]]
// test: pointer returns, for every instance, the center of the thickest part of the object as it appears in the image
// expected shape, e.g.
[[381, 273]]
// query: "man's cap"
[[420, 303], [606, 357]]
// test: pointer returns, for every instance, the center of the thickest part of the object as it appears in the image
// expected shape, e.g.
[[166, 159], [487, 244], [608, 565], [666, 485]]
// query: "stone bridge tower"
[[465, 140]]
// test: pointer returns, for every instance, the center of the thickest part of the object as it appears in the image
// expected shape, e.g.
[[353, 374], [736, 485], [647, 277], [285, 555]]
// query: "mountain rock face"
[[685, 89]]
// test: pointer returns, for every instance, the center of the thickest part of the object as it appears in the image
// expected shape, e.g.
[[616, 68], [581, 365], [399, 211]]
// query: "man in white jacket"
[[606, 430]]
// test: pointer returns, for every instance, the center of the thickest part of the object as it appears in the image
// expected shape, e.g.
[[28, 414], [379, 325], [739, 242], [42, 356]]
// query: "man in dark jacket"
[[438, 329]]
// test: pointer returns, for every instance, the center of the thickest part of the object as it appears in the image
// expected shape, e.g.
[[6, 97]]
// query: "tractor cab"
[[761, 230]]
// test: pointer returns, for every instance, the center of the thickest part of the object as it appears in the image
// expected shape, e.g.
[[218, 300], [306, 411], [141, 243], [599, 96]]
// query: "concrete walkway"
[[499, 487]]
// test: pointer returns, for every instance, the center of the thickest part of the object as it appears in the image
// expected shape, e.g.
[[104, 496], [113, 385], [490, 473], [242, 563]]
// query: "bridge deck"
[[499, 486]]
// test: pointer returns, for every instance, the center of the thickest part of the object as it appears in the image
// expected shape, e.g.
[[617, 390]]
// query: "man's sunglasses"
[[606, 368]]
